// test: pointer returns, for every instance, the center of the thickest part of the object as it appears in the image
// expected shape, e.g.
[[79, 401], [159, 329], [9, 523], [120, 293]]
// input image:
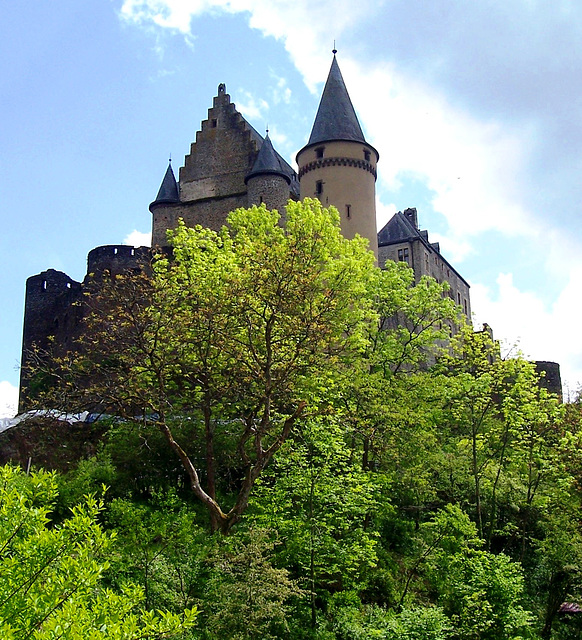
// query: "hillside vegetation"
[[301, 445]]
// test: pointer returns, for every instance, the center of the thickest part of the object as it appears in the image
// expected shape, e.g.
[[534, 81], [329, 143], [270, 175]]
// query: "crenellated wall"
[[55, 305]]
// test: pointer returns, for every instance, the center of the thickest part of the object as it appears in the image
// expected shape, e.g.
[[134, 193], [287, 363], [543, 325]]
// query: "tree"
[[247, 596], [319, 500], [50, 575], [231, 333]]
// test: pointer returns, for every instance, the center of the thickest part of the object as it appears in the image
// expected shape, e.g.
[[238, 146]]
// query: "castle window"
[[44, 284], [319, 152], [459, 298], [115, 251], [349, 210], [261, 200], [366, 155], [213, 123], [133, 252], [465, 306], [319, 187], [403, 255], [68, 285]]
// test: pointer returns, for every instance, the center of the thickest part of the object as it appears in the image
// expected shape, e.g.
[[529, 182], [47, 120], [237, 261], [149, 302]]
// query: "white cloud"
[[301, 25], [282, 91], [544, 332], [252, 108], [8, 399], [384, 212], [138, 239]]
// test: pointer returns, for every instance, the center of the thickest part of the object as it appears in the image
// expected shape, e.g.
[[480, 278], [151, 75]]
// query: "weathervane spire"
[[334, 50]]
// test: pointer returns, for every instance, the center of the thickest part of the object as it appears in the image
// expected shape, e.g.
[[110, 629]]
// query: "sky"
[[475, 108]]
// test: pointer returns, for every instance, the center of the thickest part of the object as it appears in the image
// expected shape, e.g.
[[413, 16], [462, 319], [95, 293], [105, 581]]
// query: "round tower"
[[337, 165], [267, 182]]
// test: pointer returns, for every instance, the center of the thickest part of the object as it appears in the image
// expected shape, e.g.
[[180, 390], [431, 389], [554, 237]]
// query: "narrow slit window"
[[348, 210], [213, 123], [319, 187]]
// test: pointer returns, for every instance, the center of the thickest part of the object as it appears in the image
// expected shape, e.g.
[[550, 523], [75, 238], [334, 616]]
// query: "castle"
[[231, 165]]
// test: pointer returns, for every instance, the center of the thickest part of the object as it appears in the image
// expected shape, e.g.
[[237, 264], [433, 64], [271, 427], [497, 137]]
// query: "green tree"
[[246, 596], [319, 501], [230, 332], [50, 576], [482, 593]]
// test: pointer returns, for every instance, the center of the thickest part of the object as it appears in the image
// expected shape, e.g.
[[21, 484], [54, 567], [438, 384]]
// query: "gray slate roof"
[[268, 162], [336, 118], [287, 168], [400, 229], [397, 229], [169, 188]]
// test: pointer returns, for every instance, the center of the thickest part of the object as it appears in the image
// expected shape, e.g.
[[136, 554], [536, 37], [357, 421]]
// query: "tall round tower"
[[337, 165]]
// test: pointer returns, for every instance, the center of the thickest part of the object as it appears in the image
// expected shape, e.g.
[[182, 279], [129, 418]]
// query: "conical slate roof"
[[336, 118], [169, 189], [267, 162]]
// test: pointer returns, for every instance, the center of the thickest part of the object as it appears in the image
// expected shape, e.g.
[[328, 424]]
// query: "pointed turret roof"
[[267, 162], [168, 192], [336, 118]]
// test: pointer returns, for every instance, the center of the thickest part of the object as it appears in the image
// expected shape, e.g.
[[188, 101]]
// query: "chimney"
[[412, 216]]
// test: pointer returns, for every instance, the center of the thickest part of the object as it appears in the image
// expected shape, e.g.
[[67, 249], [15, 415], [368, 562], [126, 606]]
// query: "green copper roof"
[[336, 118]]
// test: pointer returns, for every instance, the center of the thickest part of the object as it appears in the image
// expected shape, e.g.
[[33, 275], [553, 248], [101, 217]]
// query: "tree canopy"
[[380, 469]]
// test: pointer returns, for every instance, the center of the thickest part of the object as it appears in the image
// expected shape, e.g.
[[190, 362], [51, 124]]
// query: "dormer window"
[[319, 152]]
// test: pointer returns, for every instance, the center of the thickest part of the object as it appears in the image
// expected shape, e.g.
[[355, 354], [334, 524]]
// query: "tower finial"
[[267, 128], [334, 50], [170, 160]]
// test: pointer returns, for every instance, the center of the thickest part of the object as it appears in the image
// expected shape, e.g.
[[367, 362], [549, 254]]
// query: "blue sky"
[[475, 109]]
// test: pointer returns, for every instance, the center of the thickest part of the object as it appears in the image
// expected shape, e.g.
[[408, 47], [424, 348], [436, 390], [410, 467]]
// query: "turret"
[[337, 165], [162, 207], [267, 182]]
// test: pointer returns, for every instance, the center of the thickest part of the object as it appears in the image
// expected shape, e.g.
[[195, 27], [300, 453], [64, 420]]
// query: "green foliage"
[[319, 501], [50, 576], [160, 548], [479, 591], [246, 596], [404, 480]]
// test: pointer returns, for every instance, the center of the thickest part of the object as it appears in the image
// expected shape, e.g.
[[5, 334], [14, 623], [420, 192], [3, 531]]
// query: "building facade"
[[231, 165], [401, 240]]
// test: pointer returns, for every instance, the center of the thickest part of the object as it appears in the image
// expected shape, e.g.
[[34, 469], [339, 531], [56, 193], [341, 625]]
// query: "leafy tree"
[[230, 331], [50, 576], [480, 592], [320, 501], [246, 596]]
